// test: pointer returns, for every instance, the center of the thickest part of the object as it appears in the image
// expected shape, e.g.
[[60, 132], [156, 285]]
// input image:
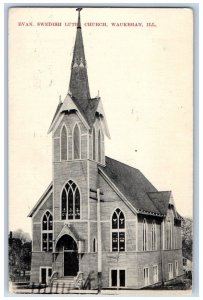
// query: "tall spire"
[[79, 86]]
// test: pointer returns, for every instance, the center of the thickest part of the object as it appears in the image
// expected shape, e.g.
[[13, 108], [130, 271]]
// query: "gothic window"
[[47, 232], [76, 142], [70, 201], [64, 141], [153, 235], [144, 235], [169, 237], [94, 144], [118, 231], [63, 205], [99, 147]]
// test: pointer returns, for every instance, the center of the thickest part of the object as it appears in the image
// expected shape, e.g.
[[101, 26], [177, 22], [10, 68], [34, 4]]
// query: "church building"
[[99, 221]]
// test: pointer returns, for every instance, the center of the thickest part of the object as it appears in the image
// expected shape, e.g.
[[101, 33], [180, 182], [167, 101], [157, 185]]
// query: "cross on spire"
[[79, 23]]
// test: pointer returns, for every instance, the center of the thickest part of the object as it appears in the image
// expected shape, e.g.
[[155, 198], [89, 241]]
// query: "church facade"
[[99, 219]]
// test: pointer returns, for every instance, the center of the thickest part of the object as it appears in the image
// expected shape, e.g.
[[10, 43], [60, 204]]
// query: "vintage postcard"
[[100, 150]]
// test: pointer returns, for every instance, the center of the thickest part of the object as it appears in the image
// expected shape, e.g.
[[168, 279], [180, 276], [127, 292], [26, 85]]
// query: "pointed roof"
[[79, 91], [136, 188], [79, 86], [41, 199]]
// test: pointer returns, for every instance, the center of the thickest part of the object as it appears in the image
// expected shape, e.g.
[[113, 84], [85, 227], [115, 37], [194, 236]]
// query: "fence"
[[54, 288]]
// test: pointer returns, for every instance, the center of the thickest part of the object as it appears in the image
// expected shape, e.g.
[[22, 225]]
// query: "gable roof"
[[88, 108], [56, 112], [41, 199], [138, 190]]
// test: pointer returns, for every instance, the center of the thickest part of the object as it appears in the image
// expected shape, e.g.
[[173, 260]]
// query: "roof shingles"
[[136, 187]]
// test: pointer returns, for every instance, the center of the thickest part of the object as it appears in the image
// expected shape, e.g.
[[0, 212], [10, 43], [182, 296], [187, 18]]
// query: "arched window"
[[99, 147], [64, 144], [76, 142], [118, 231], [47, 232], [70, 201], [94, 144], [144, 235], [169, 237], [153, 235], [94, 245]]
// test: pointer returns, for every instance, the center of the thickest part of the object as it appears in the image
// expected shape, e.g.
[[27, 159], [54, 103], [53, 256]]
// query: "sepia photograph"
[[100, 135]]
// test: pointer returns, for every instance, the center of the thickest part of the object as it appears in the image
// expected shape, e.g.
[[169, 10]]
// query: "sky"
[[144, 78]]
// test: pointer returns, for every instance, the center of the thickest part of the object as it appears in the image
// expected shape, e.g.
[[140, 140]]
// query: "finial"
[[79, 9], [98, 94], [59, 99]]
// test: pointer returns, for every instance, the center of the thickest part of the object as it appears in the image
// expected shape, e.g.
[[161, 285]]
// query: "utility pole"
[[99, 249], [97, 198]]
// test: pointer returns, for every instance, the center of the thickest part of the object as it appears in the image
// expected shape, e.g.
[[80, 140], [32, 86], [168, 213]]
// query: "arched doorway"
[[68, 246]]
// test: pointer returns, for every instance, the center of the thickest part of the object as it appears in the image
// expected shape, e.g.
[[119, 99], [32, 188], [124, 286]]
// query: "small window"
[[94, 245], [94, 144], [118, 278], [99, 147], [144, 235], [76, 142], [155, 274], [122, 278], [170, 271], [169, 237], [114, 281], [153, 235], [176, 267], [64, 145], [146, 276], [45, 275]]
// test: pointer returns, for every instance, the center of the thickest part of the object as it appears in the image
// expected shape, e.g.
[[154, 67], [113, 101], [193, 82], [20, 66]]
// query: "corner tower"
[[88, 110], [78, 130]]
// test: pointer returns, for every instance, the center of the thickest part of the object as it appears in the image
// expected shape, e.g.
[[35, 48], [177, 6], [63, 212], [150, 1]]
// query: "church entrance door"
[[68, 246], [70, 263]]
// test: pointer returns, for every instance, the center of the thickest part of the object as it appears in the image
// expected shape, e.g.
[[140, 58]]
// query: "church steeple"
[[79, 86]]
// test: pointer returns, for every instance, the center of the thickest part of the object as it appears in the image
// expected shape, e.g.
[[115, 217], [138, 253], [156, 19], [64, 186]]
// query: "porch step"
[[66, 282]]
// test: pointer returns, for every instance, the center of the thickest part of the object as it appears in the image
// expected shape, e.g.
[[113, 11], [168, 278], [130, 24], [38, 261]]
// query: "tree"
[[187, 238], [19, 252], [23, 236]]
